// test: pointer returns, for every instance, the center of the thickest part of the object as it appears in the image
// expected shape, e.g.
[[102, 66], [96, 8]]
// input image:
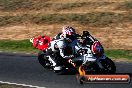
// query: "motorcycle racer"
[[59, 44], [96, 47], [55, 54]]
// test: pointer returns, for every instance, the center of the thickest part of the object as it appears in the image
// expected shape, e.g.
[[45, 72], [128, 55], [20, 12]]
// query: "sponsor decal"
[[116, 78]]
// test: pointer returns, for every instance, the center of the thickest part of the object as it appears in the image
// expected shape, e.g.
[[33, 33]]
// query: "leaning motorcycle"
[[94, 59], [90, 59]]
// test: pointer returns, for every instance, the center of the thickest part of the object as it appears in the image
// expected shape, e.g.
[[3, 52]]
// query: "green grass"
[[119, 54], [26, 46], [17, 45]]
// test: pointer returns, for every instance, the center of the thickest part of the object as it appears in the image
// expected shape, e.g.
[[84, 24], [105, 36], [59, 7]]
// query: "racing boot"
[[57, 68]]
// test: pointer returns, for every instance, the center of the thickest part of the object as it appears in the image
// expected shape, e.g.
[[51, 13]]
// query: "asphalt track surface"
[[25, 69]]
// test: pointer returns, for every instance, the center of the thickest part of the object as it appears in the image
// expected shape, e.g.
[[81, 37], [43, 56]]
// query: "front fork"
[[99, 64], [98, 61]]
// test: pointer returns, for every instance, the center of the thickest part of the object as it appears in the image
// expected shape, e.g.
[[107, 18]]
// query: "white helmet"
[[68, 32]]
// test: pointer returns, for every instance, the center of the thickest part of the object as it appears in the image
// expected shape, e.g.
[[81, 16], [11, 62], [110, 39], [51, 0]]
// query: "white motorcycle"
[[93, 57], [95, 65]]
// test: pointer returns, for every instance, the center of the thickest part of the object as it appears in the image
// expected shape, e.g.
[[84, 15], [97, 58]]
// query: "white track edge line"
[[17, 84]]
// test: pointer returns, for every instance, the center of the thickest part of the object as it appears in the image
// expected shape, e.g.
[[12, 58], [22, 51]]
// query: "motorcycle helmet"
[[68, 33], [97, 49], [67, 29]]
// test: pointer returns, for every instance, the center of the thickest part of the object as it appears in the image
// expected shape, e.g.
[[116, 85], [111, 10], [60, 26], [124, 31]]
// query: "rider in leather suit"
[[58, 45]]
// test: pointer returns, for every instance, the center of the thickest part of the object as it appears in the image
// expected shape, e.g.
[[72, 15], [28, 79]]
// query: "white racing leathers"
[[89, 55], [58, 46]]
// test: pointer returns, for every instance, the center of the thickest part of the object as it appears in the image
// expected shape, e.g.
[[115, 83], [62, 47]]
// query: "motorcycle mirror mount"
[[86, 33]]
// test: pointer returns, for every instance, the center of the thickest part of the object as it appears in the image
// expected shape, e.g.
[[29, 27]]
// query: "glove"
[[70, 61], [69, 57], [31, 40]]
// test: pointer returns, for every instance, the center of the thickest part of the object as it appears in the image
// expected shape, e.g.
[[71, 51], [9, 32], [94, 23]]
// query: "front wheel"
[[43, 61], [109, 66]]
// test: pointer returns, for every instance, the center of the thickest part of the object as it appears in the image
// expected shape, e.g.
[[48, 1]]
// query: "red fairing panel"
[[41, 42], [97, 48]]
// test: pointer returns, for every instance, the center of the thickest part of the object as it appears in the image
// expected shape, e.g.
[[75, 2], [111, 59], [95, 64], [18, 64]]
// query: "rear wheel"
[[41, 59]]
